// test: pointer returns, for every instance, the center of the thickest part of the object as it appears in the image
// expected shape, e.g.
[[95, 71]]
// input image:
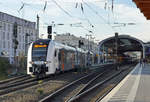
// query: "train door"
[[61, 59], [56, 62], [67, 59], [73, 59]]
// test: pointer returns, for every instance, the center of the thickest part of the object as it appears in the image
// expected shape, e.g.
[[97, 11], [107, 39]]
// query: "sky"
[[81, 17]]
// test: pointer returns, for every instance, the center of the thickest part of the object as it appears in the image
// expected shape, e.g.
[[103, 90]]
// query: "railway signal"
[[80, 43], [49, 31]]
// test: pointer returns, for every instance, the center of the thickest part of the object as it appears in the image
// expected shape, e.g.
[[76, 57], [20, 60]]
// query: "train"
[[47, 57]]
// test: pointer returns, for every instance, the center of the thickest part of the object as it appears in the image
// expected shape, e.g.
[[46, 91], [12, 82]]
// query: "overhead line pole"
[[88, 37]]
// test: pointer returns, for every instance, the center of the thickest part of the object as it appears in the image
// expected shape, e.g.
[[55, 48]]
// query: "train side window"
[[55, 53], [59, 56]]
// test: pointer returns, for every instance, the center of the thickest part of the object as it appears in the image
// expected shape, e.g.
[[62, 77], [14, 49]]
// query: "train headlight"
[[47, 62], [31, 62]]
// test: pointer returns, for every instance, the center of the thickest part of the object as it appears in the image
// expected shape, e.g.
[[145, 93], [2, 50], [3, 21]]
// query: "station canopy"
[[144, 6], [126, 43]]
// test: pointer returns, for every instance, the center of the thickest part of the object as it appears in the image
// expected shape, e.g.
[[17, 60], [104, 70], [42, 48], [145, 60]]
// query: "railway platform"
[[133, 88]]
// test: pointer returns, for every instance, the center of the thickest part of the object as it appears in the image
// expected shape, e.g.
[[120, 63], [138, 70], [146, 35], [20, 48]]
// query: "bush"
[[40, 81], [4, 66], [40, 91]]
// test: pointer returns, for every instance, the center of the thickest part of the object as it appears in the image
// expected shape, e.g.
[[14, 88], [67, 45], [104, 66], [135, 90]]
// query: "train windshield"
[[39, 50]]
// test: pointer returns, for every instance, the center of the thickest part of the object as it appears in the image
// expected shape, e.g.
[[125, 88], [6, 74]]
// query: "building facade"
[[26, 33], [73, 40]]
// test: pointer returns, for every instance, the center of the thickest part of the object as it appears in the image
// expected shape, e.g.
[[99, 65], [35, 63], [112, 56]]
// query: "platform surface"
[[135, 87]]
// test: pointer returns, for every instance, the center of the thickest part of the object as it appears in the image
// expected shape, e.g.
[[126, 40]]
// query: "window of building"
[[8, 27], [2, 16], [23, 39], [3, 35], [1, 25], [7, 36], [20, 46], [23, 46], [19, 29], [4, 26], [3, 44], [8, 44], [11, 45], [12, 52], [0, 44], [22, 30], [19, 37], [11, 35]]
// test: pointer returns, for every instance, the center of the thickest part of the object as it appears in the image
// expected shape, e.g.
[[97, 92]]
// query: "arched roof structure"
[[125, 43]]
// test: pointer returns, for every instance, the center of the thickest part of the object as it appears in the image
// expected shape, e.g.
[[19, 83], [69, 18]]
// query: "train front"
[[37, 58]]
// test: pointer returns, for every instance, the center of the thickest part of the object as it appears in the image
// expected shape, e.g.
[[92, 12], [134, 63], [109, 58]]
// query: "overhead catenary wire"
[[94, 11], [21, 7], [83, 12], [69, 14], [62, 8], [98, 15], [45, 6], [65, 11]]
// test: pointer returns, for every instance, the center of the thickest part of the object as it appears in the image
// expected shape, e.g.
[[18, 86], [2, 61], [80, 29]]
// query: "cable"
[[62, 8], [94, 11], [98, 14], [87, 19]]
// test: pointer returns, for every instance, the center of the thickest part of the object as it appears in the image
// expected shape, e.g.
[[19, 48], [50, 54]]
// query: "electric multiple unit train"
[[47, 57]]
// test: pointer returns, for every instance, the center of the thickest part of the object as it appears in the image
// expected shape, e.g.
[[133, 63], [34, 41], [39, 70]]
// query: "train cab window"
[[39, 50]]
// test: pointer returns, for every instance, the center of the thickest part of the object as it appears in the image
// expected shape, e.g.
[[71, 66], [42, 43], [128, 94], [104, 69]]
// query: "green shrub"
[[40, 91], [4, 66], [40, 81]]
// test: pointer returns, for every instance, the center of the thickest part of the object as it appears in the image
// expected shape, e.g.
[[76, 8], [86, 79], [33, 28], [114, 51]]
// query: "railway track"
[[12, 79], [14, 84], [18, 83], [68, 91], [21, 84], [25, 82], [74, 91], [110, 87], [92, 90]]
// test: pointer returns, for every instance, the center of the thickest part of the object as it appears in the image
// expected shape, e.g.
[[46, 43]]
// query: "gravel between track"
[[32, 94]]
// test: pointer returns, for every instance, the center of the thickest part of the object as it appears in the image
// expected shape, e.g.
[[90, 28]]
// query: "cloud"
[[65, 1], [129, 13], [37, 2]]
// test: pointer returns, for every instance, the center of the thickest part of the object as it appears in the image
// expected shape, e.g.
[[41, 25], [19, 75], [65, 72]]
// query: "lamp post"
[[116, 45], [15, 41], [88, 36], [38, 18], [26, 43], [92, 42], [103, 54]]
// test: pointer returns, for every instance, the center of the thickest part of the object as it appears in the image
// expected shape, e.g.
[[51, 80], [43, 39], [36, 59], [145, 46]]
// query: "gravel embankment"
[[34, 93]]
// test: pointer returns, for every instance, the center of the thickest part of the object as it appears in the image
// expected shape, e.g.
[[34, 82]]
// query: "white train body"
[[47, 57]]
